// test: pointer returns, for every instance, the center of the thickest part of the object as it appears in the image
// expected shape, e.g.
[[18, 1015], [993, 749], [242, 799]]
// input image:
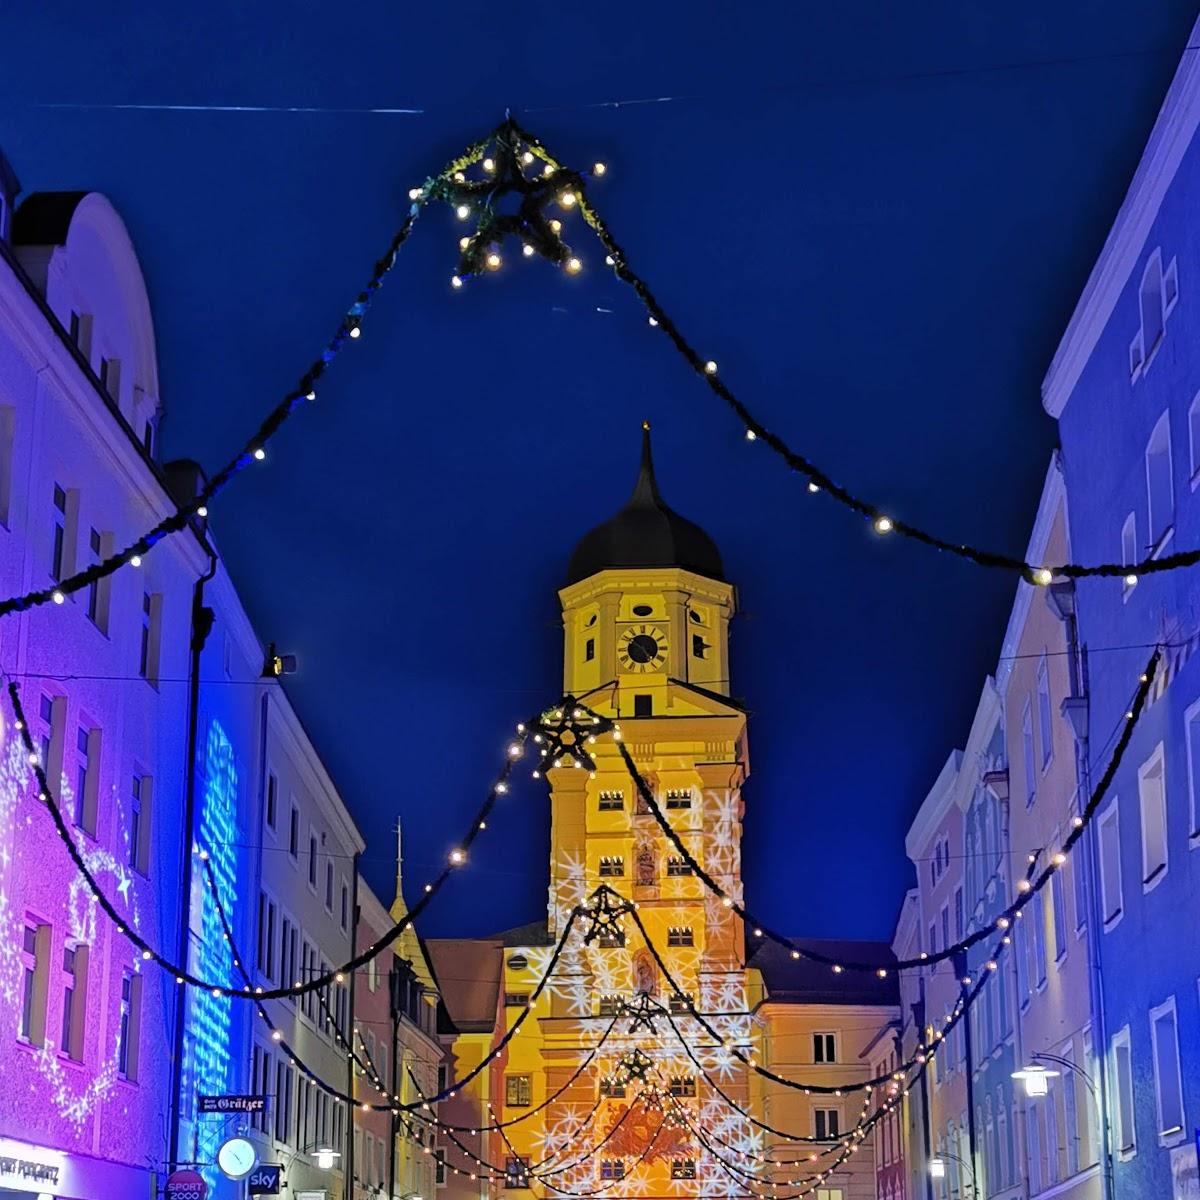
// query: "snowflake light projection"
[[206, 1064], [20, 808]]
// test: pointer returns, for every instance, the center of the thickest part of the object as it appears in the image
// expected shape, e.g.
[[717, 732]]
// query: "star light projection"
[[72, 1096]]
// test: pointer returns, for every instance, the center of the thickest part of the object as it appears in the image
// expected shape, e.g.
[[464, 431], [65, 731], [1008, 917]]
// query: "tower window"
[[699, 646], [609, 1006], [643, 610], [612, 939], [680, 1003], [683, 1168], [612, 866], [589, 650], [679, 797], [612, 1168], [611, 1089], [518, 1091], [683, 1085], [680, 935], [611, 801], [678, 866], [643, 706]]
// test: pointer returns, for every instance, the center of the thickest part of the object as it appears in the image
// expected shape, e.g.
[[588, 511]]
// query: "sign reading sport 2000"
[[185, 1185]]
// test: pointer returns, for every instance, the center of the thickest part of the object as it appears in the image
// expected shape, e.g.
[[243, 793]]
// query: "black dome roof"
[[645, 533]]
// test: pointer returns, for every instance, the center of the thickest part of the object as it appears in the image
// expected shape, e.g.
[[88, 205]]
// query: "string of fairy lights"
[[505, 158]]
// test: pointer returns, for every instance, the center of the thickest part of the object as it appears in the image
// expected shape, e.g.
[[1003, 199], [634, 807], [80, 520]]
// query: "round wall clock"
[[237, 1158], [642, 648]]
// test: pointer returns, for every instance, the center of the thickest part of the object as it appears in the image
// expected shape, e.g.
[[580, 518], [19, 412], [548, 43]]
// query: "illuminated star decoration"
[[634, 1065], [513, 198], [564, 733], [606, 911], [641, 1013]]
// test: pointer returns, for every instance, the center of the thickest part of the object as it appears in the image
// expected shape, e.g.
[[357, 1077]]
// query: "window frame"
[[1191, 717], [1160, 431], [1110, 918], [1155, 763], [1124, 1152], [1177, 1133]]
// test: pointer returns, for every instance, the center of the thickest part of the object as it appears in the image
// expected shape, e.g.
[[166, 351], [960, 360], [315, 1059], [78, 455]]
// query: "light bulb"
[[493, 261], [710, 367], [489, 164], [202, 511], [455, 281], [527, 157], [574, 266], [415, 193], [527, 250], [355, 332], [567, 199], [547, 170], [260, 454], [556, 225], [813, 489], [653, 322], [457, 857], [463, 211], [57, 597], [463, 242], [883, 524], [310, 396], [751, 436], [136, 560], [1131, 580], [1043, 576], [599, 168], [147, 955]]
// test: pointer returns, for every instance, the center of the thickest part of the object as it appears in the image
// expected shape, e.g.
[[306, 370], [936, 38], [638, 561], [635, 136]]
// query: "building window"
[[518, 1091], [329, 886], [1194, 438], [1129, 552], [283, 1100], [130, 1027], [612, 1168], [683, 1086], [99, 590], [826, 1124], [1168, 1083], [516, 999], [1152, 793], [312, 861], [267, 915], [589, 650], [1037, 913], [345, 913], [1160, 488], [289, 936], [110, 377], [1123, 1110], [610, 1005], [1058, 903], [141, 793], [683, 1168], [612, 1089], [959, 915], [1150, 305], [678, 866], [294, 834], [680, 935], [58, 542], [270, 810], [87, 774], [35, 960], [643, 706], [611, 801], [611, 866], [1080, 867], [1110, 864], [611, 939], [1191, 720], [74, 1004], [680, 1003], [824, 1048], [679, 797], [151, 637], [1045, 729], [1027, 754], [439, 1167], [8, 426], [700, 647]]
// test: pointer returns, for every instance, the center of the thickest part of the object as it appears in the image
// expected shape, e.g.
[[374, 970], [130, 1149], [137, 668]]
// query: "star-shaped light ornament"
[[635, 1064], [509, 187], [605, 909], [565, 734], [641, 1012]]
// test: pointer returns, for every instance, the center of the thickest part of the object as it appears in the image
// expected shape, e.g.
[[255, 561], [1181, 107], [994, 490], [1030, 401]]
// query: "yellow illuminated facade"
[[646, 616]]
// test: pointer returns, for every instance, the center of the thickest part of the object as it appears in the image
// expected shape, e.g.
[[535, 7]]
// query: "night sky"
[[877, 217]]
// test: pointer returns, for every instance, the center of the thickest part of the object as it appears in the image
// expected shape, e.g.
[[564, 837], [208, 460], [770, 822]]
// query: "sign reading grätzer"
[[228, 1104]]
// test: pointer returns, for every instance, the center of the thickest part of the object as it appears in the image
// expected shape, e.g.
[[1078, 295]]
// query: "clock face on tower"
[[642, 648]]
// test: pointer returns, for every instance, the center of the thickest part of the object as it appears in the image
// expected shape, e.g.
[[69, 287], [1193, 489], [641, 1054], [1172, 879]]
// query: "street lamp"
[[326, 1158], [1035, 1078], [937, 1167]]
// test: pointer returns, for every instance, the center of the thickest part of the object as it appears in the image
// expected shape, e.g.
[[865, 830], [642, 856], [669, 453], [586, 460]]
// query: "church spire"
[[645, 491]]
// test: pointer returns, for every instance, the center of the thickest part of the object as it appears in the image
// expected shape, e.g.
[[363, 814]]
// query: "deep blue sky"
[[876, 216]]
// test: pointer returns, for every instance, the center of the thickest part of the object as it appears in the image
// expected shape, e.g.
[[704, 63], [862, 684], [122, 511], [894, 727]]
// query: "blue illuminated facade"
[[1125, 388]]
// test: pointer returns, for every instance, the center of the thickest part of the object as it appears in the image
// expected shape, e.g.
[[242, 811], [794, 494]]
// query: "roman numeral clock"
[[642, 648]]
